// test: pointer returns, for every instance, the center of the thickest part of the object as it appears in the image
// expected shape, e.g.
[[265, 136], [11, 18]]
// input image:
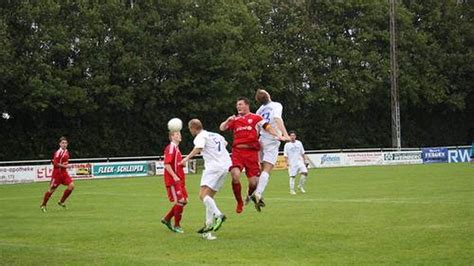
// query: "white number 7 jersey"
[[214, 151]]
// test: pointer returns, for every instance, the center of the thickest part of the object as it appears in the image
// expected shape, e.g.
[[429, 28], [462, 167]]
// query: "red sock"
[[178, 213], [46, 197], [170, 214], [237, 189], [66, 194]]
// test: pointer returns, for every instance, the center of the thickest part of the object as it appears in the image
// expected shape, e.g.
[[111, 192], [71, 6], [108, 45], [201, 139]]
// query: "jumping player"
[[295, 159], [175, 183], [272, 114], [212, 147], [245, 148], [60, 175]]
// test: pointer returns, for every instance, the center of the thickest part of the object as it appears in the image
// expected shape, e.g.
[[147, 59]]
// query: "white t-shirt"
[[269, 112], [214, 152], [294, 151]]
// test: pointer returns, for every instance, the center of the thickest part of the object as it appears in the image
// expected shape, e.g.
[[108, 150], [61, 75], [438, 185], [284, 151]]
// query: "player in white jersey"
[[212, 147], [272, 113], [296, 161]]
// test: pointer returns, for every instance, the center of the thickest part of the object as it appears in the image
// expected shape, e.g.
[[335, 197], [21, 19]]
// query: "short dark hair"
[[245, 99], [292, 132]]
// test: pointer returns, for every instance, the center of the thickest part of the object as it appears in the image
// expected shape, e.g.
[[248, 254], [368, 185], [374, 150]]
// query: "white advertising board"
[[402, 157], [17, 174]]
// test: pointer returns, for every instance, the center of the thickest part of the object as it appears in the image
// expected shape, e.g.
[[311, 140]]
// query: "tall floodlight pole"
[[396, 136]]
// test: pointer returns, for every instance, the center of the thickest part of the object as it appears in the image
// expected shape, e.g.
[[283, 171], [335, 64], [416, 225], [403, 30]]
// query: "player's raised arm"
[[225, 125]]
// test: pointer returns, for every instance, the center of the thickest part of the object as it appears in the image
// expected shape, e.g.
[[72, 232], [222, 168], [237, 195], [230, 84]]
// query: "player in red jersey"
[[245, 148], [175, 183], [60, 175]]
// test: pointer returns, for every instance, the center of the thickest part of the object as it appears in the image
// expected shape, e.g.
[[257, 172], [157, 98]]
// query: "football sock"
[[237, 189], [251, 189], [209, 216], [292, 183], [46, 197], [210, 203], [170, 214], [302, 180], [262, 182], [178, 213], [66, 194]]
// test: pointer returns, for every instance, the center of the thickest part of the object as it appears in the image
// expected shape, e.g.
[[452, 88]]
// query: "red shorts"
[[246, 159], [61, 179], [177, 192]]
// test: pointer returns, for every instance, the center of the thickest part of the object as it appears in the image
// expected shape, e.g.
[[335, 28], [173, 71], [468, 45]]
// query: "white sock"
[[211, 204], [302, 180], [292, 183], [209, 216], [262, 182]]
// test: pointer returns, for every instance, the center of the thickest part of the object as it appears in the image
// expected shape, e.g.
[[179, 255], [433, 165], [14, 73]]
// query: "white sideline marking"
[[39, 246], [84, 252], [377, 200], [288, 199]]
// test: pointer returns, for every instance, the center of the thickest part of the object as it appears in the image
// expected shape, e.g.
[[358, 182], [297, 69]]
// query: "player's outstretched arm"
[[193, 153], [225, 125]]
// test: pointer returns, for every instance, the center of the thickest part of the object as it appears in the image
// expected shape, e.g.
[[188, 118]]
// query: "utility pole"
[[395, 104]]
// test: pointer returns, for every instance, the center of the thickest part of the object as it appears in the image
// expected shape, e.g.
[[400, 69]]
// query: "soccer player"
[[212, 147], [60, 175], [175, 183], [295, 159], [272, 114], [245, 148]]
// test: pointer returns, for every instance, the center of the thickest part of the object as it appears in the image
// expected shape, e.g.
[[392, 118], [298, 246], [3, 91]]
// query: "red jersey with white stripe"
[[245, 129], [60, 157], [172, 157]]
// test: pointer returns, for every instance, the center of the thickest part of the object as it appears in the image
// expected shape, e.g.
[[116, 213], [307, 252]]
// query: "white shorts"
[[214, 178], [299, 168], [269, 150]]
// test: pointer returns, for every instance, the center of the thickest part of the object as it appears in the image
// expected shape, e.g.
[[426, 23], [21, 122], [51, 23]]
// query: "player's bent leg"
[[46, 197], [67, 192], [250, 191], [255, 181], [206, 191]]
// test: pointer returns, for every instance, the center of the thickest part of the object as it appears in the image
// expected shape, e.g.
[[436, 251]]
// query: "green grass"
[[419, 214]]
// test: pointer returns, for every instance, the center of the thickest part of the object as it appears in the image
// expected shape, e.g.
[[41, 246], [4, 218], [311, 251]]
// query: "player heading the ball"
[[175, 182]]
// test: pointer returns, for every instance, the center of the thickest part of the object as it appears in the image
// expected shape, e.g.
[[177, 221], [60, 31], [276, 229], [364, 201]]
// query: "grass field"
[[419, 214]]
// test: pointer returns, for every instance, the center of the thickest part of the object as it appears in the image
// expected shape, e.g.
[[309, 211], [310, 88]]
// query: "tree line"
[[110, 75]]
